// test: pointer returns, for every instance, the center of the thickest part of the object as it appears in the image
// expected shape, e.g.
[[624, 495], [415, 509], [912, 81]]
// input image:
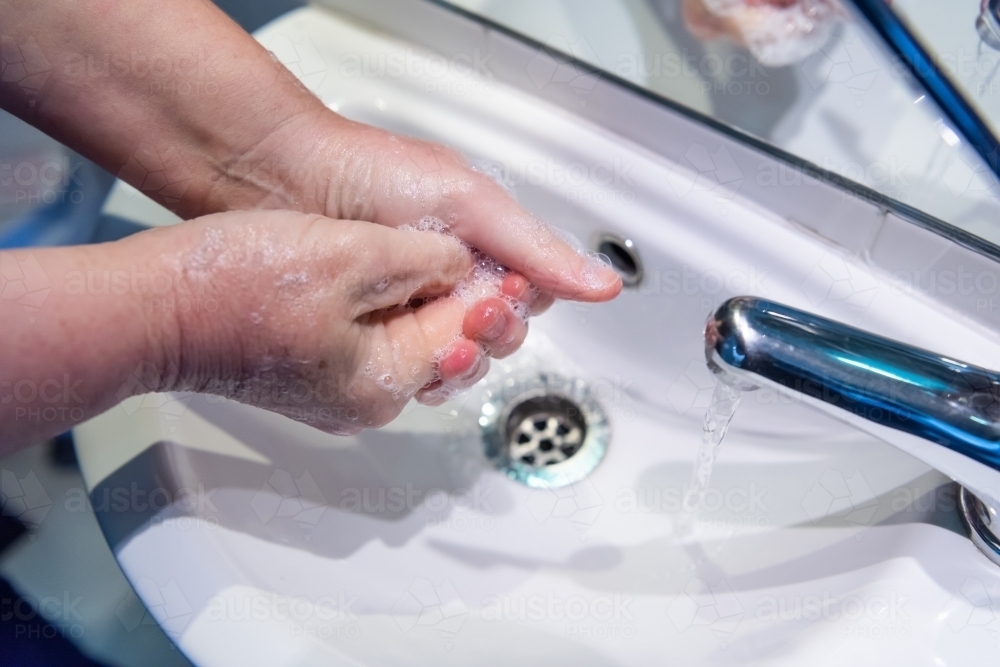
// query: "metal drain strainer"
[[544, 430]]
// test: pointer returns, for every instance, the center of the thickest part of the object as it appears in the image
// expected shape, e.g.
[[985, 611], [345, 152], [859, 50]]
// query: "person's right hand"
[[302, 308], [332, 322]]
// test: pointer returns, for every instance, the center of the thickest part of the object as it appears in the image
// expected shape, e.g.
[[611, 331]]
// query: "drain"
[[549, 433], [623, 256], [545, 431]]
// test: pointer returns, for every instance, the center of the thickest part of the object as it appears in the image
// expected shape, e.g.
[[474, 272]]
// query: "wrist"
[[82, 338], [177, 295], [289, 167]]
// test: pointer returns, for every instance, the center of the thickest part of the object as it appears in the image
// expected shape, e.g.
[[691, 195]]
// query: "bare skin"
[[177, 100], [296, 313]]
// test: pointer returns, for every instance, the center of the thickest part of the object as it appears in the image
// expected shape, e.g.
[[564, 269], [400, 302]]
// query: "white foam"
[[387, 382], [596, 264], [428, 223], [519, 308], [484, 281]]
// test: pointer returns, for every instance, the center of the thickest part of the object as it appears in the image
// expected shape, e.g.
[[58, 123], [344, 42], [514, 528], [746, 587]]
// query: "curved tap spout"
[[941, 410]]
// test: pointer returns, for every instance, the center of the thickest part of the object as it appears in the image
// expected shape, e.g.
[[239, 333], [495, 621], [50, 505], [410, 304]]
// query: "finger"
[[492, 323], [410, 179], [404, 347], [517, 287], [463, 366], [435, 394], [415, 349], [490, 220], [460, 362], [408, 264]]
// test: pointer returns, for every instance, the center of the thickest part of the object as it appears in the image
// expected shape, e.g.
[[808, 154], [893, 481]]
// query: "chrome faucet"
[[940, 410], [988, 23]]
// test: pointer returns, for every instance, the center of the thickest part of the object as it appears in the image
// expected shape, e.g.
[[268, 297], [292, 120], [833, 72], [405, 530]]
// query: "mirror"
[[810, 77], [962, 38]]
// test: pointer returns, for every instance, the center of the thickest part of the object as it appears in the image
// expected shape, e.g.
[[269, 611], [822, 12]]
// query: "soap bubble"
[[487, 275]]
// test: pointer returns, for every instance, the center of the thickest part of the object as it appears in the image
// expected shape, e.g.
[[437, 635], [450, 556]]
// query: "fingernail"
[[457, 356], [473, 371], [597, 272], [496, 329]]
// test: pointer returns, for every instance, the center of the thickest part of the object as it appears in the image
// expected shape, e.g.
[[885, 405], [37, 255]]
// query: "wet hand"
[[332, 322], [359, 172]]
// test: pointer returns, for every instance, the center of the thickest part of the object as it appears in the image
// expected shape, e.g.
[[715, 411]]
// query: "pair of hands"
[[326, 310], [341, 318], [338, 323]]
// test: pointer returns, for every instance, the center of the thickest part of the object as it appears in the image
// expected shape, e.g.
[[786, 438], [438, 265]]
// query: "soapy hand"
[[266, 142], [358, 172], [337, 323], [382, 313]]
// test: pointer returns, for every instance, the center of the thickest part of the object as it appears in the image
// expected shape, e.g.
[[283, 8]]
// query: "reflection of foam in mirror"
[[779, 33]]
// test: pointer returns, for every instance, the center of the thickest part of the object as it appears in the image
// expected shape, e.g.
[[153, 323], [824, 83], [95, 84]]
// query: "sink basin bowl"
[[256, 540]]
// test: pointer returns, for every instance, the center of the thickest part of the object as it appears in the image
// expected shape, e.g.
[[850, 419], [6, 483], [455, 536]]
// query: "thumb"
[[489, 219]]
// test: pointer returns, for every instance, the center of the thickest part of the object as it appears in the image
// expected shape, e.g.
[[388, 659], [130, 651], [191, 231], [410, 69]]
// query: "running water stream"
[[720, 412]]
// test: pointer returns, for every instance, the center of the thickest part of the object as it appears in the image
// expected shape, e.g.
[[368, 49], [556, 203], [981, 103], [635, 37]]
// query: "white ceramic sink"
[[255, 540]]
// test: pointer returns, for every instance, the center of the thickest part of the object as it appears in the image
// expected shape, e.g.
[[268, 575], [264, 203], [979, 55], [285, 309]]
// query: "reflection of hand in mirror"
[[777, 32]]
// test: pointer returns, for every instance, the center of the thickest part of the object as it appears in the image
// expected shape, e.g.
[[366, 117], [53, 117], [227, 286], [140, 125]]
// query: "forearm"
[[82, 328], [171, 96]]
